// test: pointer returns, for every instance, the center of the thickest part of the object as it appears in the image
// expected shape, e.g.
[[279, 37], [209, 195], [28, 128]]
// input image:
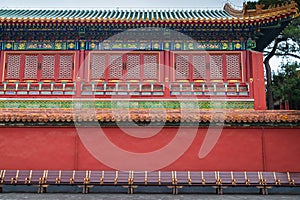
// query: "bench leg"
[[42, 189], [175, 190], [85, 189], [219, 190], [130, 190], [39, 189], [264, 191]]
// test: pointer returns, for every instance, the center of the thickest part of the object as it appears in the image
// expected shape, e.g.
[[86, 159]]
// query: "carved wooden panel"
[[65, 67], [150, 67], [13, 66], [199, 66], [48, 65], [98, 66], [182, 67], [133, 70], [233, 66], [216, 68], [115, 67]]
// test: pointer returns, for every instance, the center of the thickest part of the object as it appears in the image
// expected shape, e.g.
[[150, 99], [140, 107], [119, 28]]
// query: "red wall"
[[269, 149]]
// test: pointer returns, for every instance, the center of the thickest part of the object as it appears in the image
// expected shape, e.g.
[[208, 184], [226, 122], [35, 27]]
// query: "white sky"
[[126, 4], [117, 3]]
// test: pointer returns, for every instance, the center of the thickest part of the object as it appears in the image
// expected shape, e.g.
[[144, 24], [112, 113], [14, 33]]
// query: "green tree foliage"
[[291, 46], [290, 37], [286, 85], [267, 3], [251, 4]]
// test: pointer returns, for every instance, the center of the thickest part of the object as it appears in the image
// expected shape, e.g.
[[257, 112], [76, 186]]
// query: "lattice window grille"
[[199, 64], [13, 66], [133, 67], [233, 66], [65, 67], [31, 64], [115, 69], [98, 66], [216, 69], [48, 63], [182, 67], [150, 67]]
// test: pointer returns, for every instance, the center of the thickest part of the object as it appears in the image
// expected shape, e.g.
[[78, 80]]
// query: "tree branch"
[[287, 54], [272, 53]]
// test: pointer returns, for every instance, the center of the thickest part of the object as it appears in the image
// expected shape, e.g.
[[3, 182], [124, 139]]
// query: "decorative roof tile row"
[[146, 115], [114, 14], [111, 16]]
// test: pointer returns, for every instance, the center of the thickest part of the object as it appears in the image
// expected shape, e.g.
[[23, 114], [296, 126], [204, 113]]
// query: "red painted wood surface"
[[37, 77], [238, 149], [259, 92], [2, 64]]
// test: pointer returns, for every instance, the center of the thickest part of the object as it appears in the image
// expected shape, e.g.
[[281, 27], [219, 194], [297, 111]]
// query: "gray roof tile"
[[116, 14]]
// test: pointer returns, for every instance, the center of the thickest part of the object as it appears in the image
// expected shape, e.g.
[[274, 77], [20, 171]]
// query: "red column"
[[286, 105], [2, 63], [79, 71], [161, 63], [249, 69], [281, 106], [259, 91], [246, 64], [171, 66], [166, 79], [83, 65]]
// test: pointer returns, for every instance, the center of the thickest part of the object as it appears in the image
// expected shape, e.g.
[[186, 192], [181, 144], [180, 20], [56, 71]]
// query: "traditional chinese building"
[[170, 89]]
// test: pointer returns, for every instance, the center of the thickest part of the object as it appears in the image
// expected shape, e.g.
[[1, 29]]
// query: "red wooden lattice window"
[[48, 66], [12, 66], [39, 66], [216, 66], [190, 66], [31, 67], [209, 66], [233, 66], [115, 67], [150, 67], [133, 66], [97, 66], [65, 66], [182, 67], [124, 67], [199, 66]]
